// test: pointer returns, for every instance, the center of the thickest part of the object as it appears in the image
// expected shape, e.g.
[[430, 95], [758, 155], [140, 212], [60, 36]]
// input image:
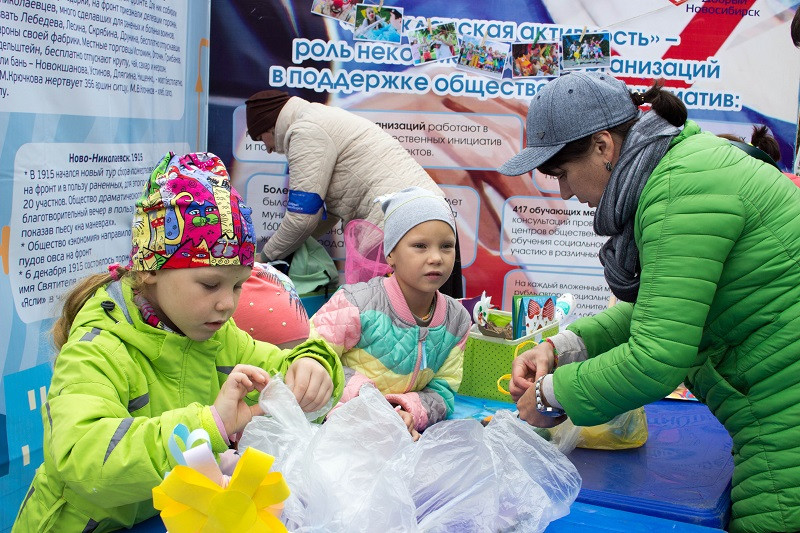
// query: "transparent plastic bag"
[[362, 472], [539, 482], [335, 471], [625, 431], [452, 478]]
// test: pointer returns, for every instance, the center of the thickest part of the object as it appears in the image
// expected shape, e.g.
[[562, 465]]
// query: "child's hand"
[[310, 383], [230, 404], [408, 418]]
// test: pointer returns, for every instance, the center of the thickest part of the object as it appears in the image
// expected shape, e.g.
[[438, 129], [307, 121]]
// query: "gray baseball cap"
[[568, 108]]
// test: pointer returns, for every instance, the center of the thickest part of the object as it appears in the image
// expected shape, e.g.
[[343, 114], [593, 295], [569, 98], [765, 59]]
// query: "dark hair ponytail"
[[663, 102], [762, 140]]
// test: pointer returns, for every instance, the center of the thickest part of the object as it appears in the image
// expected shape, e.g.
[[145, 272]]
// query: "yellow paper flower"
[[190, 502]]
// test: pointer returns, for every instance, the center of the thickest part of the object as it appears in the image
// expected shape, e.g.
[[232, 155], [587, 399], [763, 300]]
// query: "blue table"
[[584, 517], [682, 473], [678, 481]]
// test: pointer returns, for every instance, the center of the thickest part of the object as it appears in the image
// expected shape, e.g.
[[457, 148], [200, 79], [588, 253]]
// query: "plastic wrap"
[[625, 431], [362, 472]]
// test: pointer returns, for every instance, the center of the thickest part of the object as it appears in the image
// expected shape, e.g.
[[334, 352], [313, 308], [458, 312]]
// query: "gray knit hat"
[[567, 109], [408, 208]]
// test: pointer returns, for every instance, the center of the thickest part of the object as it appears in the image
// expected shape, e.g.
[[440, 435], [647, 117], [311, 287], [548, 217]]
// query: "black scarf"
[[646, 143]]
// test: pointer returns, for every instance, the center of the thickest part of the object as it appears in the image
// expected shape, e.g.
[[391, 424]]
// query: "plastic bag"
[[361, 471], [628, 430]]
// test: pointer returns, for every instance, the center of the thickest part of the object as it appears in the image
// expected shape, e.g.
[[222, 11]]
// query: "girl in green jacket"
[[704, 253], [152, 345]]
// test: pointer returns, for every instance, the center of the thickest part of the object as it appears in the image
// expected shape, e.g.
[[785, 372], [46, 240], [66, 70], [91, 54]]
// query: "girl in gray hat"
[[400, 333], [704, 254]]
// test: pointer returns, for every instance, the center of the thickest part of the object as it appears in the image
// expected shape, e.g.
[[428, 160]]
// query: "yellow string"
[[504, 377], [507, 377]]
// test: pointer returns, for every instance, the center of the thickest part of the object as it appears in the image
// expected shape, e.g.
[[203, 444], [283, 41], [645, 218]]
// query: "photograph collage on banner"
[[535, 60], [587, 50], [483, 56], [378, 23], [436, 42]]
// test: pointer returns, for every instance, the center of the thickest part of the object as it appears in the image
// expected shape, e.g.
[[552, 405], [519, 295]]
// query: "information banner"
[[454, 91], [93, 93]]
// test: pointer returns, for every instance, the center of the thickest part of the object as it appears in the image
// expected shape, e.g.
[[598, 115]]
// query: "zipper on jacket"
[[422, 361]]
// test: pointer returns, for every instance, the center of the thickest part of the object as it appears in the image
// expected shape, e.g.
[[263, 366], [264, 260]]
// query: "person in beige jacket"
[[339, 163]]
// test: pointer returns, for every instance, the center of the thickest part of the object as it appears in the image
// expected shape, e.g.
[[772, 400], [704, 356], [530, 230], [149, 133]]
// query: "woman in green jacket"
[[704, 253], [151, 346]]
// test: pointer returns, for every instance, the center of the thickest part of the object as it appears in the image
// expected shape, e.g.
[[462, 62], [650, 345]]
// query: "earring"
[[609, 167]]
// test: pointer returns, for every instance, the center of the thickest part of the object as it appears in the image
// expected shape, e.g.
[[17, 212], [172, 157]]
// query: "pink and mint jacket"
[[372, 329]]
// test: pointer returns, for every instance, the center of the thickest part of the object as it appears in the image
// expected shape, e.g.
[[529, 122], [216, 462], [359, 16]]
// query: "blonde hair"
[[77, 297]]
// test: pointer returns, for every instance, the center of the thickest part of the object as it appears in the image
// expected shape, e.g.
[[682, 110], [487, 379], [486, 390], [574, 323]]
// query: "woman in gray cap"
[[704, 253], [339, 163]]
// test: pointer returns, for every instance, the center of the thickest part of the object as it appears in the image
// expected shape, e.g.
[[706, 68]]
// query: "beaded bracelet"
[[546, 410]]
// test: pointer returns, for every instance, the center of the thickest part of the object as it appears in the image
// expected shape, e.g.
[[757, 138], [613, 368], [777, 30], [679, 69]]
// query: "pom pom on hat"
[[269, 308]]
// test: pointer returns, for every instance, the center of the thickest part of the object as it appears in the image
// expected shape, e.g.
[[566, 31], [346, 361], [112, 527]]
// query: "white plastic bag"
[[362, 472]]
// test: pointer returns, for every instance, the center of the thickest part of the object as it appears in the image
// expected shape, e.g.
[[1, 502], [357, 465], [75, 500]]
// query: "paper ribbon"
[[196, 452], [252, 502], [191, 497]]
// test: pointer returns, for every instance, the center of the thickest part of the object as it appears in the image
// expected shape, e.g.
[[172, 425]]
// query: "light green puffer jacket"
[[718, 234], [119, 388]]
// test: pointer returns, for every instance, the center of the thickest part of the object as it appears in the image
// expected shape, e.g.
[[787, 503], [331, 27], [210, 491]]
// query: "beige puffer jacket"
[[346, 160]]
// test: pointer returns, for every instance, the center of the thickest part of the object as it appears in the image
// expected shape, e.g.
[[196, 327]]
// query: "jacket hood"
[[111, 308]]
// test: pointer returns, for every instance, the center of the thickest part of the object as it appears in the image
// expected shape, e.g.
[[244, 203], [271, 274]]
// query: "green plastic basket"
[[487, 359]]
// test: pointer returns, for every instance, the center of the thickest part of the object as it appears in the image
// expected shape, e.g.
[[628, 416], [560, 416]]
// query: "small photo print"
[[341, 10], [435, 43], [535, 60], [590, 50], [484, 56], [378, 23]]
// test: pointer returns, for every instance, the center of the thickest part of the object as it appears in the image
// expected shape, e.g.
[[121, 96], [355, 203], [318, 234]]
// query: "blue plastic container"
[[314, 300]]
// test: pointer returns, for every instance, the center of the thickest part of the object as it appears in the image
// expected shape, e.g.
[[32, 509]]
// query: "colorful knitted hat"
[[190, 216]]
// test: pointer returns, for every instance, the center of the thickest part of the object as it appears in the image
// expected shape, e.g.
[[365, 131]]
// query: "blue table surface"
[[681, 473], [678, 481], [586, 517]]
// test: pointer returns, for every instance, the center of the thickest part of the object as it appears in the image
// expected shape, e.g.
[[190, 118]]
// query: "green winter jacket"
[[119, 388], [718, 234]]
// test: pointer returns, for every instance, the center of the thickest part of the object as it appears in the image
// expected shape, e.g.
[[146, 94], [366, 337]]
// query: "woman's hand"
[[408, 419], [234, 412], [529, 366], [310, 383], [528, 412], [525, 370]]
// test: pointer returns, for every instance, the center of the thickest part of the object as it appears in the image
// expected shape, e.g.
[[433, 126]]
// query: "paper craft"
[[533, 313], [191, 498]]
